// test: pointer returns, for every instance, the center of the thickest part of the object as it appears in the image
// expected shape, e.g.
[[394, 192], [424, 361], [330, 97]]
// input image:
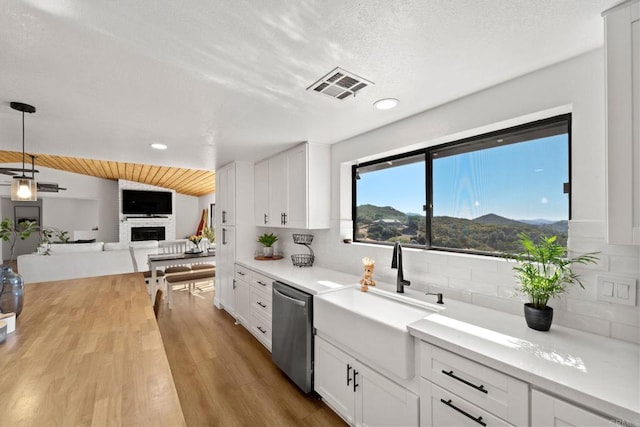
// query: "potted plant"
[[544, 272], [11, 283], [267, 240]]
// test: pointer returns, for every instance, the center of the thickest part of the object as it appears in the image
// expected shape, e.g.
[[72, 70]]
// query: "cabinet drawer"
[[243, 273], [262, 282], [261, 301], [261, 328], [438, 407], [487, 388]]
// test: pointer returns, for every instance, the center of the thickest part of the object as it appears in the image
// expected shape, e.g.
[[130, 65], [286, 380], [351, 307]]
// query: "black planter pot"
[[538, 318]]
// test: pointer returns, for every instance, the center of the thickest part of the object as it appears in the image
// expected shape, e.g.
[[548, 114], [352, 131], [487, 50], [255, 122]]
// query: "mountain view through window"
[[481, 196]]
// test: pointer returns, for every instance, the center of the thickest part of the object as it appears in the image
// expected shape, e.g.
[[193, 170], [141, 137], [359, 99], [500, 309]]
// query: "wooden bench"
[[191, 278]]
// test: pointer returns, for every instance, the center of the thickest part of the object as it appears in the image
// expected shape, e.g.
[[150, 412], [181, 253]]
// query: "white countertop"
[[599, 373], [313, 280]]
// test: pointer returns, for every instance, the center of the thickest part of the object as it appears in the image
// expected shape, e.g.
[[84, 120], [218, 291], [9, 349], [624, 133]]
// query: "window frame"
[[465, 145]]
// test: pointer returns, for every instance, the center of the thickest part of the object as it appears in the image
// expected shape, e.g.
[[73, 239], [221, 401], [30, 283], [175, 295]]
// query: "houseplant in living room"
[[11, 283], [267, 240], [544, 271]]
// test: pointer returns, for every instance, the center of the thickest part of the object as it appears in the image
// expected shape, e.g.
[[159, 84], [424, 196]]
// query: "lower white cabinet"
[[243, 301], [359, 394], [457, 391], [253, 303], [439, 407], [547, 410]]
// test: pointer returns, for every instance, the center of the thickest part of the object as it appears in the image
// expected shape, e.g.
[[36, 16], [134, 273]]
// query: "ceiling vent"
[[340, 84]]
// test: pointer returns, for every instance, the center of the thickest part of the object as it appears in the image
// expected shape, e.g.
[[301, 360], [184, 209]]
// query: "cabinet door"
[[224, 270], [297, 198], [225, 195], [439, 407], [622, 56], [382, 402], [550, 411], [333, 378], [261, 193], [277, 190], [243, 302]]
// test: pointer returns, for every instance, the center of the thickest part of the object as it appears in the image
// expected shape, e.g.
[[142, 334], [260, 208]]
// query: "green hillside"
[[488, 233]]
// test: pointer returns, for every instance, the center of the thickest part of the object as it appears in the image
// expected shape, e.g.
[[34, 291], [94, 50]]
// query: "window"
[[474, 195]]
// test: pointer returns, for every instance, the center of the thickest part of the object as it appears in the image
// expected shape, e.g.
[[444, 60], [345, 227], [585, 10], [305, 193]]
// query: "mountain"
[[493, 219], [370, 213]]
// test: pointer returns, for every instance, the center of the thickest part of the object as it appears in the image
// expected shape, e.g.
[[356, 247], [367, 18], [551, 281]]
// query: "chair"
[[174, 247]]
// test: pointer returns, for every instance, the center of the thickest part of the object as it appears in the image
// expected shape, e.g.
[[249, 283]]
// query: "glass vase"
[[11, 291]]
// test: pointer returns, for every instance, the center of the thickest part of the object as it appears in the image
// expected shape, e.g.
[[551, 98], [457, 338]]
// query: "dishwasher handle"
[[292, 300]]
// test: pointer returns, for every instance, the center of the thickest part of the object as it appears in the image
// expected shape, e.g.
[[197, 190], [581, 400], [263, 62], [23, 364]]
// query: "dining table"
[[156, 261]]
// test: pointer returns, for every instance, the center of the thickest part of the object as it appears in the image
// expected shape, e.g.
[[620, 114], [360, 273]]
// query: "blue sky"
[[519, 181]]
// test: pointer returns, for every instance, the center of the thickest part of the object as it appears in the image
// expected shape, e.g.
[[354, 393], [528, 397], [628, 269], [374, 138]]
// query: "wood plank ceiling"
[[192, 182]]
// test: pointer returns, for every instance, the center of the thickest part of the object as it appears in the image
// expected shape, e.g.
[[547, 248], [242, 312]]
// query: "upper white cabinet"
[[261, 192], [292, 189], [622, 49], [226, 195]]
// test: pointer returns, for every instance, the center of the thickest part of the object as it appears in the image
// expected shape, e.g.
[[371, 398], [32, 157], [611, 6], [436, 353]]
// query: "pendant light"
[[24, 188]]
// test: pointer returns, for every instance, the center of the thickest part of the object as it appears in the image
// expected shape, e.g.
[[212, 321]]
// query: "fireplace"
[[147, 233]]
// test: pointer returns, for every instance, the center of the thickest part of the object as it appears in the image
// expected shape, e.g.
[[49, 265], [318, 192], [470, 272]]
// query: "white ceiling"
[[218, 80]]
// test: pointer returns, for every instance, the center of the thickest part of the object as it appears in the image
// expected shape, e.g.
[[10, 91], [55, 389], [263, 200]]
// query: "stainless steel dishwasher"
[[292, 334]]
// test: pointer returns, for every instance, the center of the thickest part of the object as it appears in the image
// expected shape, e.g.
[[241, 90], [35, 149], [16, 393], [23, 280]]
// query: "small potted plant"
[[11, 283], [544, 272], [267, 240], [196, 239]]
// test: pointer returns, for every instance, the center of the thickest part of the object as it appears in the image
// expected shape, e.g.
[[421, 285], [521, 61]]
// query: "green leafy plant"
[[11, 234], [268, 239], [543, 269]]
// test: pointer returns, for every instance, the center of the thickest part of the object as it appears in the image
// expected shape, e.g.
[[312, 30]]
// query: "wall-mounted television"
[[143, 202]]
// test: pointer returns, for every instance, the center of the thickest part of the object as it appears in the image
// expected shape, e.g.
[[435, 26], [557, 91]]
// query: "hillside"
[[487, 233], [371, 213]]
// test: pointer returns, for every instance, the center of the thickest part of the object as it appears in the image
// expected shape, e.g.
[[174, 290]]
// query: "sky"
[[517, 181]]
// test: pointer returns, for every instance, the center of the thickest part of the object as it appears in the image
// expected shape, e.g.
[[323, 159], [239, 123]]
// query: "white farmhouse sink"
[[373, 324]]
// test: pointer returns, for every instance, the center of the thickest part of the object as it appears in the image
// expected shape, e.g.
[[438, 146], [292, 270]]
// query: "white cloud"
[[544, 200]]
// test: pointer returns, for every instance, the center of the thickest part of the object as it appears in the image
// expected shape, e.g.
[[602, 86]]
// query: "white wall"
[[575, 86], [188, 215]]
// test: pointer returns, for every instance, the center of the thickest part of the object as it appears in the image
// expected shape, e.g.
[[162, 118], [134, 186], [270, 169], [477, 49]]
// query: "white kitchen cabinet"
[[226, 195], [297, 183], [261, 193], [622, 60], [253, 303], [359, 394], [242, 290], [225, 257], [439, 407], [235, 229], [455, 389], [547, 410]]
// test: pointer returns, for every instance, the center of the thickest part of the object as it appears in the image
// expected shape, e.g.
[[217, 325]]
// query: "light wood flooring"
[[224, 376]]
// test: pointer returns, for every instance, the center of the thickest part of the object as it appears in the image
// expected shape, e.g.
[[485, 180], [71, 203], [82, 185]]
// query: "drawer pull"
[[260, 283], [452, 406], [355, 381], [241, 273], [261, 304], [261, 330], [477, 387], [348, 374]]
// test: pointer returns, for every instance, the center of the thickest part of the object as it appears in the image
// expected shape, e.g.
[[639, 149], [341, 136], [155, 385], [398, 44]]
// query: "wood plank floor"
[[224, 376]]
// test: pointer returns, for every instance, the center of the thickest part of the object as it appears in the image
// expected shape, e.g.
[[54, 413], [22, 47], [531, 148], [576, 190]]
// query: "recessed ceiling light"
[[385, 103], [158, 146]]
